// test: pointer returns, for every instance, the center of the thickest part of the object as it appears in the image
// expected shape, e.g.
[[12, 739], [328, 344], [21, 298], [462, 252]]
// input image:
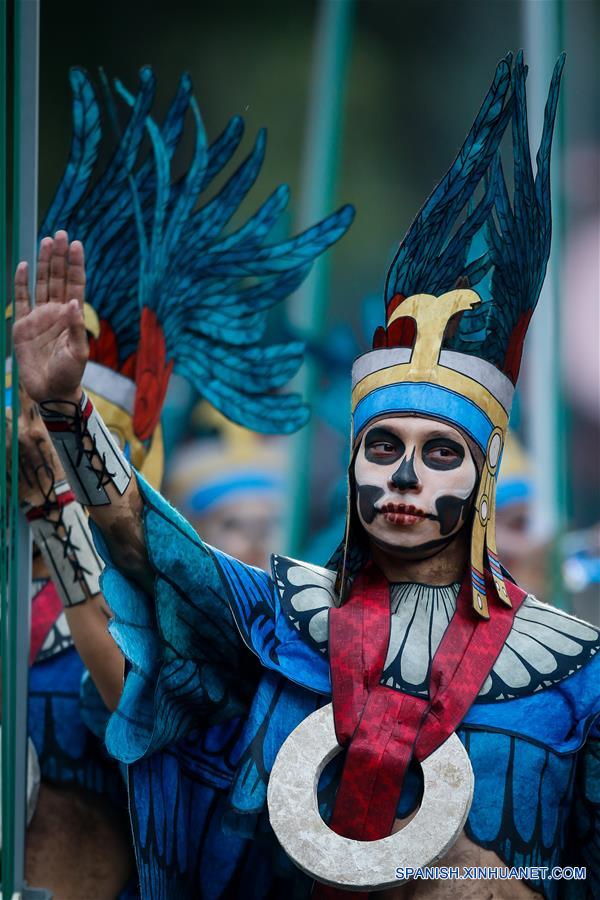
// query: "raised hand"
[[52, 349], [50, 340]]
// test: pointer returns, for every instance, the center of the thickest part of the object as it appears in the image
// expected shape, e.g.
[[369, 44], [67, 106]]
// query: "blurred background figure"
[[580, 283], [581, 565], [521, 551], [231, 486]]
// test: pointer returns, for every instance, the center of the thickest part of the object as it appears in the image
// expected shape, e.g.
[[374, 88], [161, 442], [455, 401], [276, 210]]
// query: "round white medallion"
[[483, 510], [494, 450]]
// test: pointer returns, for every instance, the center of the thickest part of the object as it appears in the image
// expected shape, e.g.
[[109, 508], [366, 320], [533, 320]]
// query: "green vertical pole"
[[10, 700], [544, 402], [25, 194], [308, 307], [22, 207], [563, 477], [7, 797]]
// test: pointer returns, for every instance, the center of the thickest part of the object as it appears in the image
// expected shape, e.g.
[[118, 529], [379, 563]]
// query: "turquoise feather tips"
[[495, 244], [166, 271]]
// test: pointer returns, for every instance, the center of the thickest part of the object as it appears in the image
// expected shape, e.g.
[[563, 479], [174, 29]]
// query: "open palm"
[[49, 339]]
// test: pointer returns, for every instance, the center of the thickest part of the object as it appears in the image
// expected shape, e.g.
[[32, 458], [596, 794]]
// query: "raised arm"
[[68, 557], [52, 350]]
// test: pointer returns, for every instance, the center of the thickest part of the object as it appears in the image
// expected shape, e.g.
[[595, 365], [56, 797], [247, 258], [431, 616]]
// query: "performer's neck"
[[442, 566]]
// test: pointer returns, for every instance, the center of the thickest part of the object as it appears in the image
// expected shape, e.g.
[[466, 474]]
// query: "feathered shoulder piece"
[[170, 288]]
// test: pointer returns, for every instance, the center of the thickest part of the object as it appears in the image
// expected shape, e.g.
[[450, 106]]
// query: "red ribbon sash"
[[384, 728]]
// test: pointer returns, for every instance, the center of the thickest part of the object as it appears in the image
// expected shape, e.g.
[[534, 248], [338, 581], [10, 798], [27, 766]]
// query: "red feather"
[[514, 351], [128, 367], [152, 374], [400, 333], [379, 338], [104, 348], [394, 304]]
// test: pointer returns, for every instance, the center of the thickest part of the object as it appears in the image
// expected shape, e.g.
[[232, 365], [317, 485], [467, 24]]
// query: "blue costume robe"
[[67, 718], [202, 718], [66, 723]]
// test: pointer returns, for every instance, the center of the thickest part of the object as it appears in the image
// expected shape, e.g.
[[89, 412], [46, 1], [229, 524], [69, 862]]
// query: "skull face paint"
[[415, 482]]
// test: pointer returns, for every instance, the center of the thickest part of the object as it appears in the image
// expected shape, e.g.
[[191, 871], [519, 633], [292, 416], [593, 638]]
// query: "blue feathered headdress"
[[459, 296], [498, 248], [171, 288]]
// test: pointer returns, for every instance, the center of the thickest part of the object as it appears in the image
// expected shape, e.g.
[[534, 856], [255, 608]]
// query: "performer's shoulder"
[[546, 647], [536, 612], [295, 575]]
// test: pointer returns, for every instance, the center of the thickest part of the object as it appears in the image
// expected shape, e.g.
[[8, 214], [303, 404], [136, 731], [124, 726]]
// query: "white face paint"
[[415, 481]]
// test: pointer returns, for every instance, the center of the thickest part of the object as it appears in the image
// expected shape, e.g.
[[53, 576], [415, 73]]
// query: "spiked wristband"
[[87, 450], [60, 529]]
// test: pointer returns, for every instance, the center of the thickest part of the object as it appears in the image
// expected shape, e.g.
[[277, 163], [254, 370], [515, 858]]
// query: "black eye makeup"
[[443, 453], [383, 447]]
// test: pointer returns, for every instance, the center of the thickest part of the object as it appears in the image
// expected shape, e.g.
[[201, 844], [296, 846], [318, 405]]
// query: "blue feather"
[[205, 224], [193, 181], [223, 149], [258, 227], [419, 253], [519, 236], [85, 143], [512, 238]]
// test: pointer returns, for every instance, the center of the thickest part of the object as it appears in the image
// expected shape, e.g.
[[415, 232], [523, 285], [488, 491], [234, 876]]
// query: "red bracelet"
[[64, 496]]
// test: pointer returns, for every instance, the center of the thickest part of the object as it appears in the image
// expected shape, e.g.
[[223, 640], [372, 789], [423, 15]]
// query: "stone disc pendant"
[[362, 865]]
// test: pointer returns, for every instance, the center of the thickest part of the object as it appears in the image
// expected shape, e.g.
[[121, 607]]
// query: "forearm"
[[122, 528], [88, 624], [102, 480], [62, 534]]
